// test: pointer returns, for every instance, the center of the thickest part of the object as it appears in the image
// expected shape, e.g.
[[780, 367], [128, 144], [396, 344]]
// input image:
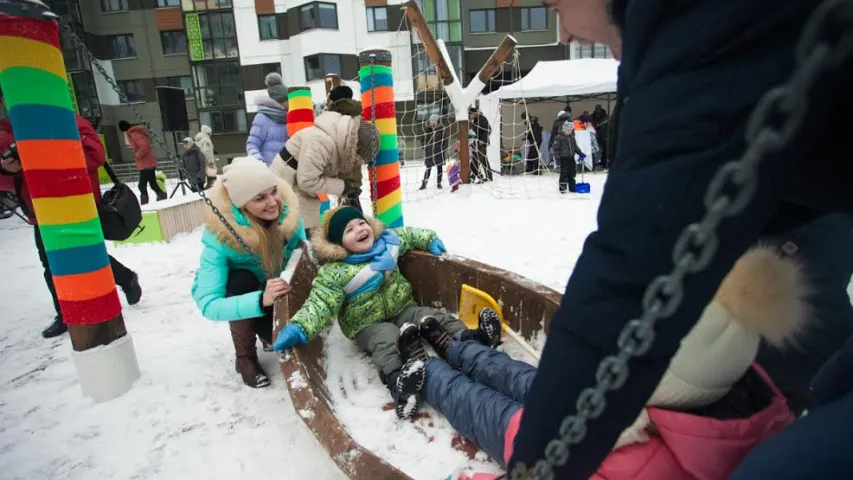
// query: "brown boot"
[[247, 365]]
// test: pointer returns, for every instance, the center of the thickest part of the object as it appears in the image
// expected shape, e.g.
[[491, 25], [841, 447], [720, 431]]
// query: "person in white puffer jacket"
[[205, 144]]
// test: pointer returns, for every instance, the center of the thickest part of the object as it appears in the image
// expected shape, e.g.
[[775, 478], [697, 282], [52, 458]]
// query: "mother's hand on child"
[[437, 247], [289, 336], [276, 287]]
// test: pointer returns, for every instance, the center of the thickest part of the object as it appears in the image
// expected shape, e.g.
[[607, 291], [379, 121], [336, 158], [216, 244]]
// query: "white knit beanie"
[[762, 297], [246, 177]]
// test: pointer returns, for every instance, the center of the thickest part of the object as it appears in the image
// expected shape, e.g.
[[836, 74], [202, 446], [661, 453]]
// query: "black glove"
[[351, 191]]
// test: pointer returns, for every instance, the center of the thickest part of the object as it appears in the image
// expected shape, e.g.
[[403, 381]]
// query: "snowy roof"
[[586, 76]]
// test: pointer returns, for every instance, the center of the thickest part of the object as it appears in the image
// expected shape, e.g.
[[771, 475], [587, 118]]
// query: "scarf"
[[380, 256], [278, 115]]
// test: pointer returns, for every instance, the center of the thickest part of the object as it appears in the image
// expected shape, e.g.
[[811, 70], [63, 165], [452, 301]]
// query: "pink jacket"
[[143, 151], [686, 447]]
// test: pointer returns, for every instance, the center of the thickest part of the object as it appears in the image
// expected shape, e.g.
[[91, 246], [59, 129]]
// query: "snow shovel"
[[472, 301]]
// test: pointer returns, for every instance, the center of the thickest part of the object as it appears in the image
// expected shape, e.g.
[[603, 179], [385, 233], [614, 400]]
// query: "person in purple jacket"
[[269, 128]]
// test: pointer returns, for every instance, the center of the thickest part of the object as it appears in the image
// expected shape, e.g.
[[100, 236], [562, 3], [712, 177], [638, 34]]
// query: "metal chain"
[[728, 193], [374, 184], [172, 156]]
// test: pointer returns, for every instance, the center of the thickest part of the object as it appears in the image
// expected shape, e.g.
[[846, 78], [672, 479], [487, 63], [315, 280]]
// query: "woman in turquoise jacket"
[[230, 284]]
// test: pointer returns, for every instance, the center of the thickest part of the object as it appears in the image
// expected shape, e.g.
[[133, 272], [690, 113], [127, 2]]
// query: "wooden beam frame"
[[461, 98]]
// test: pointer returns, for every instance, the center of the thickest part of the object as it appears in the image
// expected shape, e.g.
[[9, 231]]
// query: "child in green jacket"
[[361, 284]]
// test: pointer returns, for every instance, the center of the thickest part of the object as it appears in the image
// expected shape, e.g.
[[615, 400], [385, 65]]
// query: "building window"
[[122, 46], [482, 21], [133, 90], [377, 19], [168, 3], [225, 121], [218, 35], [173, 42], [444, 17], [268, 68], [87, 95], [534, 18], [218, 84], [198, 5], [318, 15], [267, 27], [110, 6], [317, 66], [592, 50], [185, 82]]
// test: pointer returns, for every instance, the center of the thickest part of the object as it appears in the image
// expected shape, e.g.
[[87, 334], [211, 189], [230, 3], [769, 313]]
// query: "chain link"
[[728, 193], [172, 156]]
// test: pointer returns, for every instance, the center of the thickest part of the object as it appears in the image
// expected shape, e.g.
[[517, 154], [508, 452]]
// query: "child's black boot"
[[436, 335], [406, 384], [490, 326]]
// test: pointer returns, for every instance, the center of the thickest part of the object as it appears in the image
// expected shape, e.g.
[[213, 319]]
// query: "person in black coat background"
[[703, 85], [435, 142], [533, 140], [562, 116], [480, 167]]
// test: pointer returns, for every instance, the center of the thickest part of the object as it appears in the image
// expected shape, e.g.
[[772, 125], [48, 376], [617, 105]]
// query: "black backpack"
[[119, 211]]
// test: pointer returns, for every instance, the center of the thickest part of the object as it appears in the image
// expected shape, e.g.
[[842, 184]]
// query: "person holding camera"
[[93, 150]]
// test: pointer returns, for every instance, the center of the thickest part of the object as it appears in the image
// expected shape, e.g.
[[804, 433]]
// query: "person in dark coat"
[[657, 187], [562, 116], [340, 100], [601, 122], [478, 123], [533, 140], [435, 142], [194, 164]]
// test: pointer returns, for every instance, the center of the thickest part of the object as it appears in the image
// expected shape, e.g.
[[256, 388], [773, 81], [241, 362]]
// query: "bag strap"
[[112, 174]]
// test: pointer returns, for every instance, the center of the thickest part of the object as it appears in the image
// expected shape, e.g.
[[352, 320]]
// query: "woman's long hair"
[[270, 241]]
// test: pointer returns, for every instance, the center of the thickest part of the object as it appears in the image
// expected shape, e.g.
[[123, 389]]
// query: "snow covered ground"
[[189, 416]]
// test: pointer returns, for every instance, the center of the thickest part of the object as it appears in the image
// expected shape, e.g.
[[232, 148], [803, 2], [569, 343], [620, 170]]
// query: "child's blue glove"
[[437, 247], [581, 156], [290, 336]]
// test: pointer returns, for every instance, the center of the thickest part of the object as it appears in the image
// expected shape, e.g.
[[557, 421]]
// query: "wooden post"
[[33, 79], [418, 23], [377, 87], [459, 97]]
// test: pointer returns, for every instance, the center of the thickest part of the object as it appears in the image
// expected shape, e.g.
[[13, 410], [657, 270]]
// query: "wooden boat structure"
[[436, 281]]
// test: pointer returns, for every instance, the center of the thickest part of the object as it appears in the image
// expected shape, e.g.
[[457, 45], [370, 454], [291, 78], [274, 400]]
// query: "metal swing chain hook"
[[93, 61], [827, 41]]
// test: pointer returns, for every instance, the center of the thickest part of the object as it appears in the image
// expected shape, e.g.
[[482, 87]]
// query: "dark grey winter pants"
[[380, 339]]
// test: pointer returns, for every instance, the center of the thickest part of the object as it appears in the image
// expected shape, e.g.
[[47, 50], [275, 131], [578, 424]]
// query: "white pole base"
[[107, 371]]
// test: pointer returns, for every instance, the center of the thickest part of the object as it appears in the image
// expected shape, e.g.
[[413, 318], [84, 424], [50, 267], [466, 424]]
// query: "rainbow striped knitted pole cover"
[[377, 85], [300, 114], [33, 79]]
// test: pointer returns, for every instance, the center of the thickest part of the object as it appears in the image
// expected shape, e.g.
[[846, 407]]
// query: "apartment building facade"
[[219, 52], [142, 45]]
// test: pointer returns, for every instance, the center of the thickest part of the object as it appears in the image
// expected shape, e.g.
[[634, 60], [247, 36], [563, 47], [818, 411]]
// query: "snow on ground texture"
[[190, 416]]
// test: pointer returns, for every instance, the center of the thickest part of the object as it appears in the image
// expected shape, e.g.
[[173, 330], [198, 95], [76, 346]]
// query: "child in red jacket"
[[711, 407]]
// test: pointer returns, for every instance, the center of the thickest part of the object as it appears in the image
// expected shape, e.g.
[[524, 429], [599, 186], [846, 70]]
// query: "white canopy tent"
[[562, 78], [586, 76]]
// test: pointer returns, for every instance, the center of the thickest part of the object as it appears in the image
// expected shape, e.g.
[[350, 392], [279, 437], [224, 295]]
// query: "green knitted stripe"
[[35, 87]]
